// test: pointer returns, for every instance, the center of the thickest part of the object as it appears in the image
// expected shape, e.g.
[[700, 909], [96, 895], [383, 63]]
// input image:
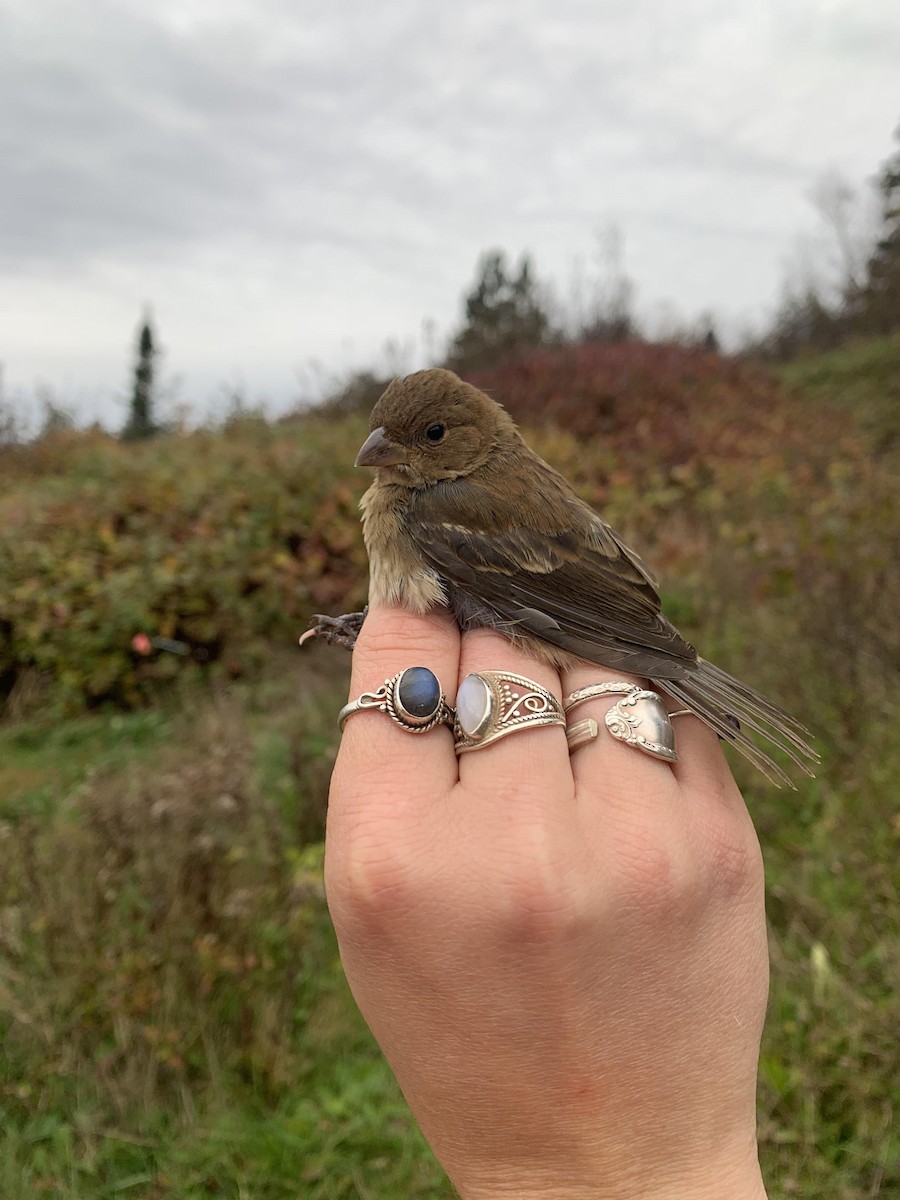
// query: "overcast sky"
[[288, 182]]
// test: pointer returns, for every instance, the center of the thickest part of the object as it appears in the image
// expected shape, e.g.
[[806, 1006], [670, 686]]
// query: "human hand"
[[563, 959]]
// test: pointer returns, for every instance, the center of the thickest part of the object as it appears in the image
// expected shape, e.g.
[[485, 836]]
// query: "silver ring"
[[413, 699], [638, 719], [492, 704]]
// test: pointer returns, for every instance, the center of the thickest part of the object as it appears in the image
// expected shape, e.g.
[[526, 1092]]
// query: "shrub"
[[209, 540]]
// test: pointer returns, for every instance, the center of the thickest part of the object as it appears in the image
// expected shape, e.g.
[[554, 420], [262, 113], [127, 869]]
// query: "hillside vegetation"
[[174, 1018], [861, 378]]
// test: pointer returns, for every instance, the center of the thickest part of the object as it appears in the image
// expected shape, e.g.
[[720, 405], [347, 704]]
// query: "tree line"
[[508, 308], [864, 299]]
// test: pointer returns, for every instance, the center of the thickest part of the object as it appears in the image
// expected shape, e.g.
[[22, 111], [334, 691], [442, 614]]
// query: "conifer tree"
[[878, 305], [140, 422], [503, 313]]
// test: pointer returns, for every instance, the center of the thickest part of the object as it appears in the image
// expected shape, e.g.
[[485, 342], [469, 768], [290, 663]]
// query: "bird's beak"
[[377, 451]]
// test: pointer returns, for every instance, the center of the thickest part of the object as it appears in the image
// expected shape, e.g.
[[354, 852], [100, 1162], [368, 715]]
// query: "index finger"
[[376, 753]]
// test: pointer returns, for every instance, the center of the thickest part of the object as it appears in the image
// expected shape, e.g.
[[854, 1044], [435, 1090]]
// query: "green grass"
[[38, 762], [174, 1017], [863, 378], [343, 1130]]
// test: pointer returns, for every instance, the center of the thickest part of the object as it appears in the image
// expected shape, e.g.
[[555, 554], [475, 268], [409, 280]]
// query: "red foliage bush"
[[651, 404]]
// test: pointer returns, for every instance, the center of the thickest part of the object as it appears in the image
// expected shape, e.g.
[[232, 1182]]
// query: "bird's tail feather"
[[729, 706]]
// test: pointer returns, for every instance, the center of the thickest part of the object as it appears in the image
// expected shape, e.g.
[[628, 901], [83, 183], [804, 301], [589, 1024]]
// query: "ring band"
[[413, 699], [492, 704], [638, 719]]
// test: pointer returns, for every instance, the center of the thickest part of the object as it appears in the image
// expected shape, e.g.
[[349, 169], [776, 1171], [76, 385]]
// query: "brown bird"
[[463, 513]]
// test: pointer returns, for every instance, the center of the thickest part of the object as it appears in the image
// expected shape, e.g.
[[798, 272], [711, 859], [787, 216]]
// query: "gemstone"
[[473, 705], [419, 692]]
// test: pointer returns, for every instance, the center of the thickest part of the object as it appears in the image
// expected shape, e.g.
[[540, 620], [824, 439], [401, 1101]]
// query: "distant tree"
[[356, 395], [804, 320], [11, 425], [57, 417], [858, 292], [140, 422], [824, 272], [709, 340], [875, 306], [841, 212], [504, 312], [610, 316]]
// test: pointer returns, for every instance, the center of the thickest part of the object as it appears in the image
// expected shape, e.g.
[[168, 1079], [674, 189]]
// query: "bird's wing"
[[546, 565]]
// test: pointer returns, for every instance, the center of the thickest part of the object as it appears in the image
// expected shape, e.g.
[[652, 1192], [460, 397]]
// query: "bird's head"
[[431, 426]]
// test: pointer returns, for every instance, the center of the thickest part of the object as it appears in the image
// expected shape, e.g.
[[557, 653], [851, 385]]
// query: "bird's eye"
[[434, 433]]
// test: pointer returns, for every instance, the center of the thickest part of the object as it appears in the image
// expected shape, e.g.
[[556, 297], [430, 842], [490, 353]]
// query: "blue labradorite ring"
[[413, 699]]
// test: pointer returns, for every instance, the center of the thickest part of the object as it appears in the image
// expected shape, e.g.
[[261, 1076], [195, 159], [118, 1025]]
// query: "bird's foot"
[[337, 631]]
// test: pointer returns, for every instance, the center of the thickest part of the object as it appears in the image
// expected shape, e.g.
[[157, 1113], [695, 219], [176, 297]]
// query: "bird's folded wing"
[[553, 570]]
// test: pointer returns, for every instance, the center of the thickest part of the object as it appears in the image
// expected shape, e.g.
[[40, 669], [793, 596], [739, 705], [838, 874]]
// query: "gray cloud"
[[336, 170]]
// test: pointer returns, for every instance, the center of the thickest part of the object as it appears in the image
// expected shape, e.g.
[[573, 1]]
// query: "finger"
[[606, 767], [384, 760], [715, 817], [529, 760], [702, 765]]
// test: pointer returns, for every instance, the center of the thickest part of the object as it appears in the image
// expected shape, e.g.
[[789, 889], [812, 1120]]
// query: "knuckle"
[[733, 860], [540, 902], [369, 884], [539, 914], [673, 873], [649, 870]]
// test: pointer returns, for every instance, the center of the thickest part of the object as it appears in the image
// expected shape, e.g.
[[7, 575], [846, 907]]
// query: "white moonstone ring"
[[413, 699], [491, 704], [639, 719]]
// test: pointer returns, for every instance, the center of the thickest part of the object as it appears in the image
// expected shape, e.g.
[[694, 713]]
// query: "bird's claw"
[[337, 631]]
